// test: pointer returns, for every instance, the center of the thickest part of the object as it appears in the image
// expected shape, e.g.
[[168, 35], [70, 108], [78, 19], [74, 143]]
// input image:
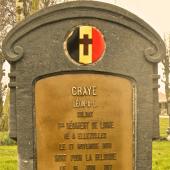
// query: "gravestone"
[[81, 82]]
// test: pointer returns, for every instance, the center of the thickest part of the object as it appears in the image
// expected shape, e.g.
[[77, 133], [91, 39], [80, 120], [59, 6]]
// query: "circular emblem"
[[85, 44]]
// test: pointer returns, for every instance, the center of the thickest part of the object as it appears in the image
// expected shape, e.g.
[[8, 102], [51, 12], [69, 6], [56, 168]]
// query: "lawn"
[[161, 155], [161, 149], [163, 126], [161, 152], [8, 158]]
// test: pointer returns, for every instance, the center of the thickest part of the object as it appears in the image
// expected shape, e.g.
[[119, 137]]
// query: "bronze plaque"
[[84, 122]]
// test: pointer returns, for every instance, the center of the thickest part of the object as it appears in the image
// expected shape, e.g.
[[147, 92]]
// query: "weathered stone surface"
[[35, 50]]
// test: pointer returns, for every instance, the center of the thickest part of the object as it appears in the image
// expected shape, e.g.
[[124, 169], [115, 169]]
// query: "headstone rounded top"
[[75, 10]]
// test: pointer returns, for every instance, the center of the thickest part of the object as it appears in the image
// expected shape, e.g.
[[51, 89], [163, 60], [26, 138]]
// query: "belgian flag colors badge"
[[85, 44]]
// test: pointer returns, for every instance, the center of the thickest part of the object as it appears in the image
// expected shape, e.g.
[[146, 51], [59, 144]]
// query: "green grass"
[[161, 149], [8, 157], [161, 155], [163, 126]]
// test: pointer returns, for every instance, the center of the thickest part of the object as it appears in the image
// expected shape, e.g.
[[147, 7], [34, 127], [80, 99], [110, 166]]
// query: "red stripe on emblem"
[[98, 45]]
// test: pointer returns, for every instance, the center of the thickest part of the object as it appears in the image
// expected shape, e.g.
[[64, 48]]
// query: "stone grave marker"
[[81, 81]]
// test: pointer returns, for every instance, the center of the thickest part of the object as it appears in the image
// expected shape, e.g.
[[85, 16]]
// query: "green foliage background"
[[5, 114], [5, 140]]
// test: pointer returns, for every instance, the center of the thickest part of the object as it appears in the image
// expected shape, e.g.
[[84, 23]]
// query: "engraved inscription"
[[83, 114], [76, 157], [106, 125], [75, 167], [108, 156], [62, 168], [107, 167], [90, 167], [84, 122], [77, 125], [60, 158], [91, 135], [81, 103], [84, 91], [88, 146]]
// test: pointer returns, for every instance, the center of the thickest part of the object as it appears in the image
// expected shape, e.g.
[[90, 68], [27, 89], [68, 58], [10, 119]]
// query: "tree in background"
[[25, 8], [166, 79], [12, 12], [7, 20], [166, 69], [5, 111]]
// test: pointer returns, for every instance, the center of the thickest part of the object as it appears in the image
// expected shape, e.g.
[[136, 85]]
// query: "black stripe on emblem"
[[73, 45]]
